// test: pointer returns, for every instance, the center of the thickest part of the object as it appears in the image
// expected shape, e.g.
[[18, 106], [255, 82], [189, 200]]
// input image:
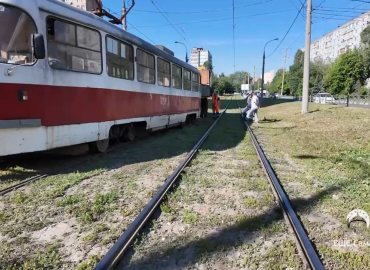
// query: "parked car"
[[324, 98], [272, 95]]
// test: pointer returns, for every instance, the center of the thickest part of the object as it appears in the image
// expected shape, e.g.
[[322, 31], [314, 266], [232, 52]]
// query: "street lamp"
[[263, 65], [186, 56]]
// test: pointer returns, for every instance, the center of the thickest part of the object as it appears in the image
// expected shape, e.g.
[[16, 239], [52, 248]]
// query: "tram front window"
[[15, 36]]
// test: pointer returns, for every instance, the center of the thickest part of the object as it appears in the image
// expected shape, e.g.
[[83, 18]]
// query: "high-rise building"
[[269, 76], [82, 4], [199, 56], [348, 36]]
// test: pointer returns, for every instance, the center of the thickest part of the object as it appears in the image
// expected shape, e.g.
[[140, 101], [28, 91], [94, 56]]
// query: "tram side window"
[[145, 67], [176, 77], [120, 59], [195, 82], [187, 80], [73, 47], [163, 72]]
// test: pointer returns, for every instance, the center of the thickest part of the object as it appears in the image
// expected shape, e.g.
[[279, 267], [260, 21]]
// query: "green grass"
[[49, 258], [101, 197], [326, 150]]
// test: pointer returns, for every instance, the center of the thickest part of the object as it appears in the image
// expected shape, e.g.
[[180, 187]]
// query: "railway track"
[[310, 256], [121, 246], [68, 166], [308, 253]]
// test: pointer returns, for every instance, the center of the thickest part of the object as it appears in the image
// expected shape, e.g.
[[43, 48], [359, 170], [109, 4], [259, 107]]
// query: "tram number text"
[[164, 101]]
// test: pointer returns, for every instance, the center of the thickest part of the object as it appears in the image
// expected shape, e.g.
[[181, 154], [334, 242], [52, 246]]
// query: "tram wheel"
[[100, 146], [129, 134]]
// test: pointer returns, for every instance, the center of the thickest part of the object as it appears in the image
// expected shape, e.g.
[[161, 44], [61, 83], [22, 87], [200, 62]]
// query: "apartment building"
[[82, 4], [269, 76], [330, 46], [199, 56]]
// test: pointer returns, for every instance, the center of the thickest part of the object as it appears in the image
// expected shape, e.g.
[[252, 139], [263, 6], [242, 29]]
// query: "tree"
[[365, 40], [347, 69], [365, 36], [276, 83], [318, 71], [295, 80], [238, 78], [224, 86], [208, 65]]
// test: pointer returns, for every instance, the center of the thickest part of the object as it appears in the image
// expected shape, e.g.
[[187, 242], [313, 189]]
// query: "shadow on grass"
[[306, 156], [266, 120], [243, 231], [313, 111]]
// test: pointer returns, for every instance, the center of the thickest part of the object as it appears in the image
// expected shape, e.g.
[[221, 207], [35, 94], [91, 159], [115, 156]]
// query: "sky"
[[209, 24]]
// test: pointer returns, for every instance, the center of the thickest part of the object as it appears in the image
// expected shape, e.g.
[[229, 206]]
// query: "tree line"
[[229, 84], [346, 75]]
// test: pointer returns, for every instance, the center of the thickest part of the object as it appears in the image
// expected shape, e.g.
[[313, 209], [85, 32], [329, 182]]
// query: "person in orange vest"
[[216, 105]]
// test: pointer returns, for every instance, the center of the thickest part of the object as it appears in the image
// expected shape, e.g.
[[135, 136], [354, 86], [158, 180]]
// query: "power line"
[[297, 8], [204, 11], [297, 39], [341, 8], [218, 20], [141, 32], [340, 13], [325, 11], [132, 26], [169, 21], [288, 30], [322, 2]]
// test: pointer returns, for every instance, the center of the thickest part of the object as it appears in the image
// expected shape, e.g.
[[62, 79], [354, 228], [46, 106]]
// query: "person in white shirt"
[[249, 99], [255, 104]]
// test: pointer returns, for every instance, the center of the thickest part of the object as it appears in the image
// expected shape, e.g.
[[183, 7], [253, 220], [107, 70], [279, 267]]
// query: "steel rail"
[[302, 237], [64, 167], [122, 244]]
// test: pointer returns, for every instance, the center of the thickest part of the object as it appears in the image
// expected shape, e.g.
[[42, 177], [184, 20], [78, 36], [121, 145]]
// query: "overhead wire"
[[169, 21], [234, 33], [345, 11], [131, 25], [297, 38], [297, 8], [141, 32], [218, 20], [288, 29], [204, 11], [322, 2]]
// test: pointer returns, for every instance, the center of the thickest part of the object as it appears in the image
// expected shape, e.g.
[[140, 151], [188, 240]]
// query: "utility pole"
[[282, 84], [249, 83], [123, 13], [254, 75], [234, 33], [306, 70]]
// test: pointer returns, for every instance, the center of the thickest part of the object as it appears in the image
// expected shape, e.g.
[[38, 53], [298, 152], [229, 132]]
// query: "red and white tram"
[[69, 77]]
